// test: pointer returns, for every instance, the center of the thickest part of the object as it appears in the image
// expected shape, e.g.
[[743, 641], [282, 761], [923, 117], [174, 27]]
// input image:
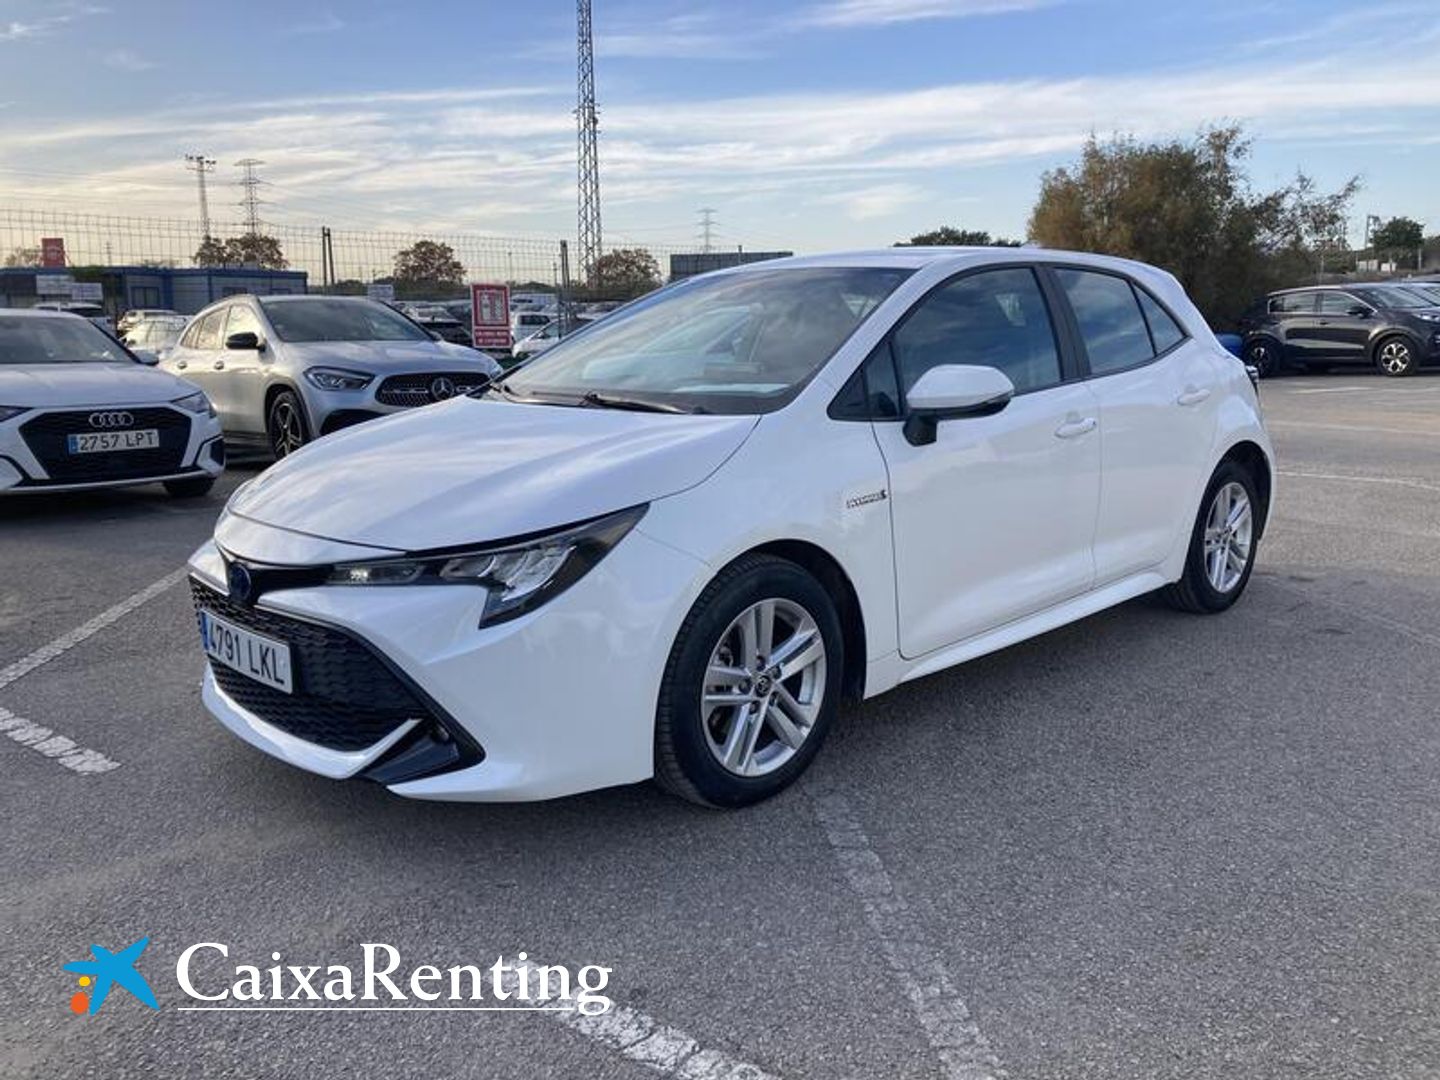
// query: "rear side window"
[[1289, 303], [1165, 332], [207, 334], [1111, 325], [996, 318]]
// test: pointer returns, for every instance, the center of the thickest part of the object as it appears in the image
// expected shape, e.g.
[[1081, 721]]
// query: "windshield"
[[1428, 293], [63, 340], [340, 320], [1386, 296], [733, 343]]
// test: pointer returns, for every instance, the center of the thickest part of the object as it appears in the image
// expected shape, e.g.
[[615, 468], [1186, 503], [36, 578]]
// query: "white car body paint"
[[1069, 500]]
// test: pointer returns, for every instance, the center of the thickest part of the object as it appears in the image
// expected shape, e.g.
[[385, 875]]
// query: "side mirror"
[[1360, 311], [951, 391], [146, 357], [246, 339]]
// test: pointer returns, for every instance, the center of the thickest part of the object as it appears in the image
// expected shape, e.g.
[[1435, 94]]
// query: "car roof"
[[38, 313]]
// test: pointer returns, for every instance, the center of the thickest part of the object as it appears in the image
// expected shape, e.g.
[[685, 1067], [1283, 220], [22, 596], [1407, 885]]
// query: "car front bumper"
[[559, 701], [31, 461]]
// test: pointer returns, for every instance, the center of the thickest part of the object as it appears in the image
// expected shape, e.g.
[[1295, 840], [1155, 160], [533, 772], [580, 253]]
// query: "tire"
[[1265, 356], [1201, 589], [286, 428], [1395, 356], [189, 488], [695, 725]]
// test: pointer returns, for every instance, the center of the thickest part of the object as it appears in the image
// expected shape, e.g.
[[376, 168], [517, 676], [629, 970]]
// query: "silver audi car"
[[282, 370]]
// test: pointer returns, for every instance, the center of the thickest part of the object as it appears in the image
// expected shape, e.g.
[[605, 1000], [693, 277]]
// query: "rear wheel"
[[190, 487], [1396, 357], [1222, 544], [751, 686], [285, 425]]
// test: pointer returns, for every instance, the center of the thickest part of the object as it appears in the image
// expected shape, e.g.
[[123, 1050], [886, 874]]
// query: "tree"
[[428, 266], [255, 249], [950, 236], [1187, 206], [23, 256], [624, 274], [252, 249], [211, 252], [1399, 237]]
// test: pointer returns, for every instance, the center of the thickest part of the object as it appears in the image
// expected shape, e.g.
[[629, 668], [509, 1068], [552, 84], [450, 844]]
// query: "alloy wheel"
[[1262, 358], [764, 687], [1229, 529], [1395, 357], [289, 431]]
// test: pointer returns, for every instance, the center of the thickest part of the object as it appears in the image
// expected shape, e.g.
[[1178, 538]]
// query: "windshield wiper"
[[612, 401]]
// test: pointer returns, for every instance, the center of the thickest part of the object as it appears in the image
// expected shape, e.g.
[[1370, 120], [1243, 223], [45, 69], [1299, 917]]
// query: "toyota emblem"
[[111, 419], [442, 387], [240, 582]]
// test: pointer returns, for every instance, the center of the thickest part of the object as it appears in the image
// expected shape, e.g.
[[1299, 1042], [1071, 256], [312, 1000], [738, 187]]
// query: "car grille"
[[346, 695], [420, 388], [46, 434]]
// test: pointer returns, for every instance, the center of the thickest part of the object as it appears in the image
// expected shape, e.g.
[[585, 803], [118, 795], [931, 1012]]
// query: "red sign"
[[52, 251], [490, 317]]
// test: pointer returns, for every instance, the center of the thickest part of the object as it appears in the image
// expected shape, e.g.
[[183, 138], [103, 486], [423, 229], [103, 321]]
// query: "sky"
[[806, 125]]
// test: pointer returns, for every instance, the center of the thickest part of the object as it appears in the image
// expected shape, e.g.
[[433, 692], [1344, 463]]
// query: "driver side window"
[[995, 318]]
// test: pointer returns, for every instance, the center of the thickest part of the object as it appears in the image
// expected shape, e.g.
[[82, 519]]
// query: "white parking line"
[[65, 642], [1399, 481], [63, 751], [952, 1032], [1355, 429], [669, 1051]]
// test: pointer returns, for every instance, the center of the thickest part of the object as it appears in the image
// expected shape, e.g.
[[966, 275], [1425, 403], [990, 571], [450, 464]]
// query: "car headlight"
[[1428, 316], [7, 411], [334, 378], [196, 403], [517, 577]]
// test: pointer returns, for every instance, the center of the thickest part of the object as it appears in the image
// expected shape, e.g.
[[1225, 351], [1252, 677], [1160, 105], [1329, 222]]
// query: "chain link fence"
[[357, 257]]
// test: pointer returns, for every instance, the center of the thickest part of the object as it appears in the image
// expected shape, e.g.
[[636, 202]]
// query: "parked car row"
[[1394, 326]]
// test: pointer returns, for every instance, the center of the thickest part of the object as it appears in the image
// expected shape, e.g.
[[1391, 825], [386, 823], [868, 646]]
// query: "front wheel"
[[285, 425], [1222, 544], [1396, 357], [751, 685], [1264, 356]]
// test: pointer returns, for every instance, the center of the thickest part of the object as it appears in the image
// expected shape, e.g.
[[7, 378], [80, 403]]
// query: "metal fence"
[[357, 256]]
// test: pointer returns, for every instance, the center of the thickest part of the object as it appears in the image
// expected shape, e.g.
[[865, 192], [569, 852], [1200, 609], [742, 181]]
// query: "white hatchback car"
[[79, 410], [671, 544]]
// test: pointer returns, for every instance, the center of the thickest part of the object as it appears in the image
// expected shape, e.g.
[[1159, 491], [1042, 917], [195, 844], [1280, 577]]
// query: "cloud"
[[127, 60], [851, 13], [43, 26], [502, 158]]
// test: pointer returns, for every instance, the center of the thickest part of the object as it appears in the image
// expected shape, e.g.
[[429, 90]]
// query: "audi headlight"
[[517, 577], [8, 411], [334, 378], [196, 403]]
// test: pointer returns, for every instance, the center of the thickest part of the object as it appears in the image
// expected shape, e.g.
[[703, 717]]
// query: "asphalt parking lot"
[[1148, 845]]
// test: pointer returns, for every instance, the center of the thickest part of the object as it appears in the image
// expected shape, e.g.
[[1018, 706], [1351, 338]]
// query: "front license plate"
[[99, 442], [261, 658]]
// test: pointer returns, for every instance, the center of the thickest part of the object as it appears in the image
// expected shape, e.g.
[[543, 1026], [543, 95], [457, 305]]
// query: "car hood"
[[468, 471], [390, 357], [48, 386]]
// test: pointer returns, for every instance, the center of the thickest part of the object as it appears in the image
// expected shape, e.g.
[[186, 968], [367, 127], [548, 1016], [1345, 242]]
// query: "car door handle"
[[219, 365], [1071, 428], [1193, 395]]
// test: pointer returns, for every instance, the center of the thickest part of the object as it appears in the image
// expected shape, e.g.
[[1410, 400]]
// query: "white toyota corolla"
[[78, 410], [669, 546]]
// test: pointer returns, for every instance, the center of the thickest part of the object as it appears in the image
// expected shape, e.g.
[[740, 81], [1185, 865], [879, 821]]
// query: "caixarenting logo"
[[205, 974]]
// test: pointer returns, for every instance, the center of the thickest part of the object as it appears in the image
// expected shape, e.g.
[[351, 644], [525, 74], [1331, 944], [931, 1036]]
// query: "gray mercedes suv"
[[282, 370]]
